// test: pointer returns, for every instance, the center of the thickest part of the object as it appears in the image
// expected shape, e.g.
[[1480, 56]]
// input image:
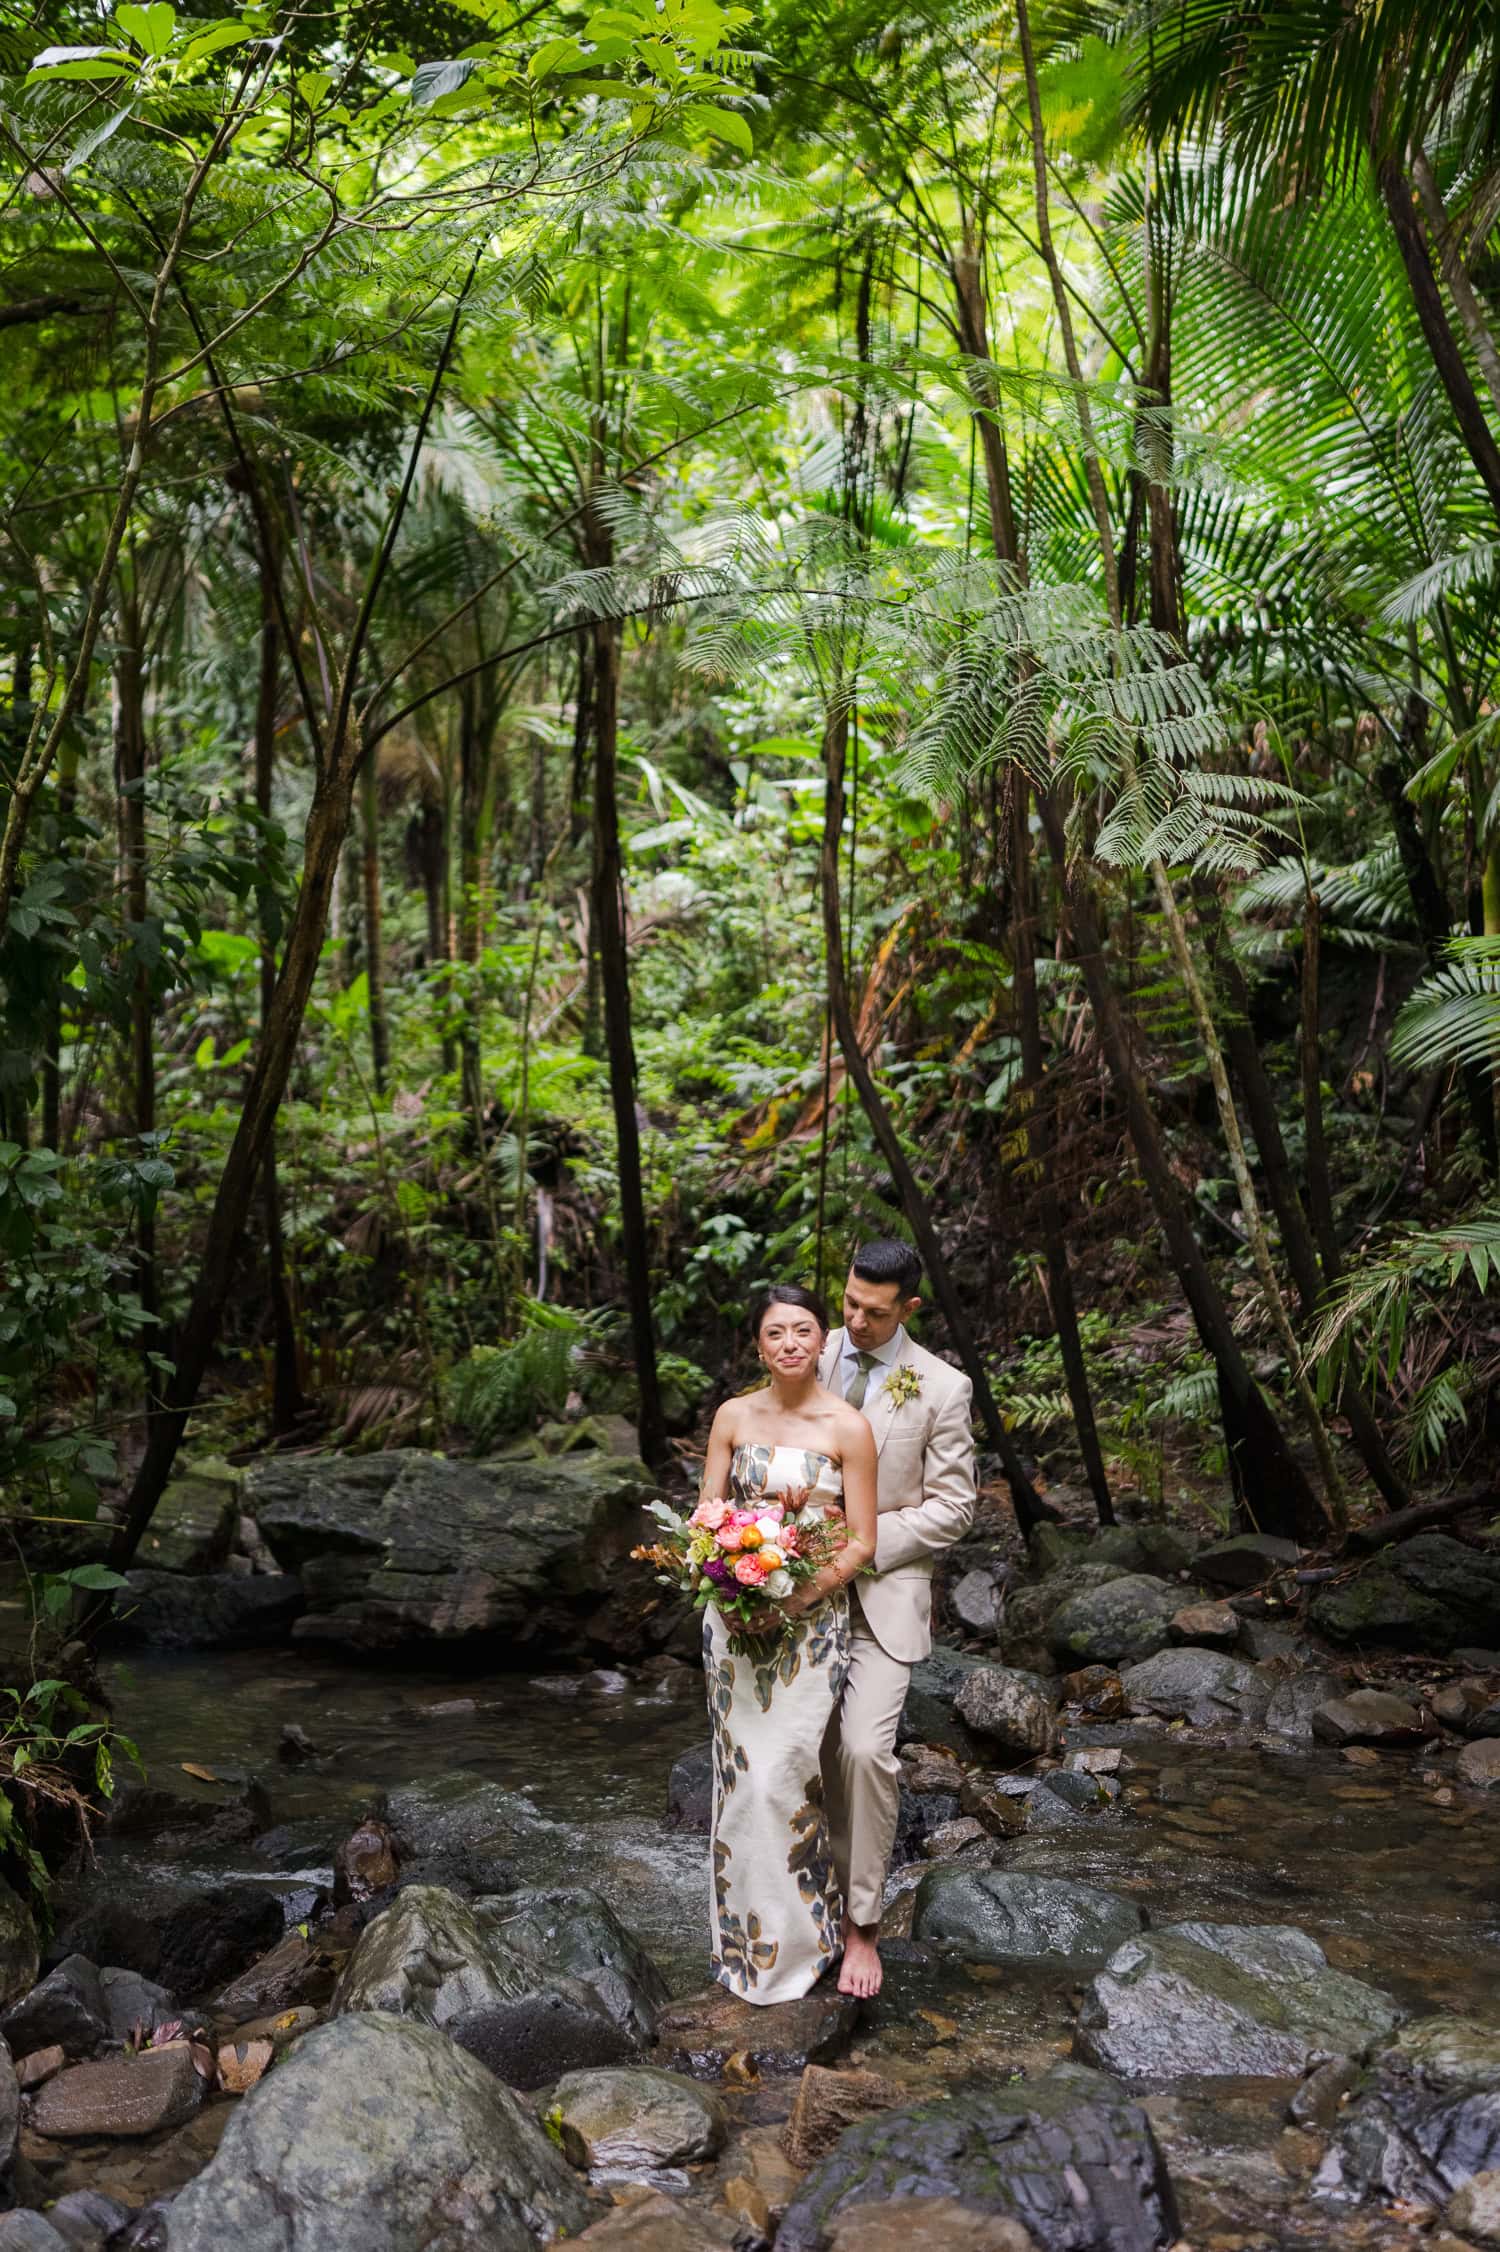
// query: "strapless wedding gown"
[[776, 1906]]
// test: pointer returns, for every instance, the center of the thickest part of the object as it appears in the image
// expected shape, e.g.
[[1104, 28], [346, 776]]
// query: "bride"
[[778, 1919]]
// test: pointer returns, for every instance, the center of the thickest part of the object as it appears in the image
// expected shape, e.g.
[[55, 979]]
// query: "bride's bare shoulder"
[[850, 1427]]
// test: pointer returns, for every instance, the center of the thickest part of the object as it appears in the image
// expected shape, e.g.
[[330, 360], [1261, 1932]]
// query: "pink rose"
[[749, 1571], [729, 1536], [710, 1513]]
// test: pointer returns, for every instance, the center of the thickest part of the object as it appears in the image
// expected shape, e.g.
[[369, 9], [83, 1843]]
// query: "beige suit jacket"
[[924, 1492]]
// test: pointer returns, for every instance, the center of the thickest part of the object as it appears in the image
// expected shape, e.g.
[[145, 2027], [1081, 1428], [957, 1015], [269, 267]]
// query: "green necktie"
[[857, 1390]]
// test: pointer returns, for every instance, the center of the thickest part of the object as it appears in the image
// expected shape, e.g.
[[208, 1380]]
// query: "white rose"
[[769, 1528], [778, 1586], [811, 1515]]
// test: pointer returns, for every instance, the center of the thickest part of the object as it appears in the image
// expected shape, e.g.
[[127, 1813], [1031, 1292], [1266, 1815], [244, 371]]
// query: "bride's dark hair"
[[787, 1294]]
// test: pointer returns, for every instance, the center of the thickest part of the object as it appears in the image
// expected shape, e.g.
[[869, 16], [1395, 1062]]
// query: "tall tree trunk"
[[130, 784], [614, 978], [1041, 1133], [374, 950], [1270, 1485], [1442, 344], [473, 785], [1456, 274], [1029, 1507], [287, 1402]]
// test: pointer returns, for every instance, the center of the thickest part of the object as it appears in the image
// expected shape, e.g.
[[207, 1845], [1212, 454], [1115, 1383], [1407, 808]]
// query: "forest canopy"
[[642, 641]]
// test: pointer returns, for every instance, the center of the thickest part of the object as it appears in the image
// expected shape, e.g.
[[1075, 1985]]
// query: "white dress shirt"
[[883, 1355]]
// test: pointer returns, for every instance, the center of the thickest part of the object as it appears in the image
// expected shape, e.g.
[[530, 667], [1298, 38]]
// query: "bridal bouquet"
[[745, 1560]]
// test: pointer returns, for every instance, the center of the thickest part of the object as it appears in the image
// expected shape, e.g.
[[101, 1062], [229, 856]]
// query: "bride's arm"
[[715, 1486]]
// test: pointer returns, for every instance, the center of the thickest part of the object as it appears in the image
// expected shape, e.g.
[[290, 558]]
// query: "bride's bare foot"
[[860, 1973]]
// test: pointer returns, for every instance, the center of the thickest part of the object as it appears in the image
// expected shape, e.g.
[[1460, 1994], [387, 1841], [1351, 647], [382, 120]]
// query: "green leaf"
[[724, 124], [431, 81], [215, 39], [554, 55], [91, 143], [82, 62], [203, 1054], [150, 27], [93, 1576]]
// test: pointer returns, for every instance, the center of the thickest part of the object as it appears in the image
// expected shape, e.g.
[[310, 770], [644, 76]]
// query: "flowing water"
[[1398, 1887]]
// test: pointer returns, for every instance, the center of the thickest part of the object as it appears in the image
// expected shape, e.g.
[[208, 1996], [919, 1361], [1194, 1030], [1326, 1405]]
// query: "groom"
[[919, 1409]]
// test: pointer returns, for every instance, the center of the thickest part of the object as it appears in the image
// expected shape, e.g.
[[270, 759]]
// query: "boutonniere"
[[902, 1385]]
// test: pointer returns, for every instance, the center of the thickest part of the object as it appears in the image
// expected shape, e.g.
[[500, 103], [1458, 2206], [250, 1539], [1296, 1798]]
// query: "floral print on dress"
[[776, 1904]]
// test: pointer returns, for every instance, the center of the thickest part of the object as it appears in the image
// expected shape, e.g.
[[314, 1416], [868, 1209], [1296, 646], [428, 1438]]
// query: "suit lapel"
[[828, 1361]]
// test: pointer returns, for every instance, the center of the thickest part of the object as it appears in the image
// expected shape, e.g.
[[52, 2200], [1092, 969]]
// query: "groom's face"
[[874, 1311]]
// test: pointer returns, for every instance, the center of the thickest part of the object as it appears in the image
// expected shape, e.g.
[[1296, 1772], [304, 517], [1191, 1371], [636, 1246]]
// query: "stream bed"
[[1397, 1886]]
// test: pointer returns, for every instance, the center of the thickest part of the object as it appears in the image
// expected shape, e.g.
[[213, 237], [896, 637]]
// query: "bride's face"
[[790, 1340]]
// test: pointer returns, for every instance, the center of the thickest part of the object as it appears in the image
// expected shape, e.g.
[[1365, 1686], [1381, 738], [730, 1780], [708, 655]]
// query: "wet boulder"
[[1067, 1799], [1068, 2160], [1009, 1709], [1253, 1999], [637, 2119], [1369, 1716], [690, 1790], [1115, 1624], [189, 1937], [569, 1932], [1207, 1687], [67, 2011], [379, 2132], [534, 2039], [1246, 1560], [929, 1715], [1030, 1609], [1009, 1916], [10, 2125], [1293, 1703], [193, 1525], [701, 2033], [406, 1548], [1430, 1593], [1478, 1764], [29, 2231], [120, 2095], [427, 1957], [1424, 2116], [211, 1611]]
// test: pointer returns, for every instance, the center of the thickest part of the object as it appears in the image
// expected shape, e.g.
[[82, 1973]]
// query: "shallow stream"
[[1398, 1887]]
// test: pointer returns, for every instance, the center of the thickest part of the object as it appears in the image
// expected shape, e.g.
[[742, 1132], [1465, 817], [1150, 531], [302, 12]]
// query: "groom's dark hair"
[[886, 1260]]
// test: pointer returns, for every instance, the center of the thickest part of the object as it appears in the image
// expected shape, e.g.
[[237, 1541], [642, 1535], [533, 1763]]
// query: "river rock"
[[1009, 1916], [1029, 1610], [1115, 1624], [828, 2103], [458, 1816], [379, 2132], [975, 1602], [571, 1932], [928, 1768], [648, 2221], [1244, 1999], [926, 2224], [1478, 1764], [1424, 2117], [278, 1981], [217, 1611], [1207, 1687], [133, 2002], [1294, 1701], [1077, 2168], [1068, 1799], [1209, 1626], [928, 1715], [638, 2118], [1475, 2209], [428, 1957], [405, 1547], [1430, 1593], [67, 2010], [1164, 1550], [700, 2035], [193, 1526], [533, 2040], [86, 2219], [120, 2095], [194, 1818], [28, 2231], [1008, 1708], [1247, 1560], [690, 1791], [19, 1953], [10, 2125], [1096, 1690], [190, 1937], [1369, 1716], [1460, 1705]]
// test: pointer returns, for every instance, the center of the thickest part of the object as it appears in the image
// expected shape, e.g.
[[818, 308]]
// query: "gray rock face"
[[569, 1932], [1430, 1593], [1114, 1625], [19, 1955], [1030, 1610], [928, 1716], [1476, 2209], [448, 1816], [427, 1957], [975, 1602], [380, 2133], [1067, 1800], [131, 2000], [1369, 1716], [1006, 1916], [1078, 2169], [690, 1791], [1294, 1701], [637, 2119], [700, 2034], [193, 1525], [1246, 1560], [217, 1611], [1008, 1708], [1159, 1549], [190, 1937], [27, 2231], [1214, 1999], [86, 2219], [120, 2095], [408, 1547], [67, 2010], [538, 2037], [1207, 1687], [1424, 2116], [1478, 1764]]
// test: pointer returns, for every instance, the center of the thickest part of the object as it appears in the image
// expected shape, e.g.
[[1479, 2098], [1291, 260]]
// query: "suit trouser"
[[861, 1773]]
